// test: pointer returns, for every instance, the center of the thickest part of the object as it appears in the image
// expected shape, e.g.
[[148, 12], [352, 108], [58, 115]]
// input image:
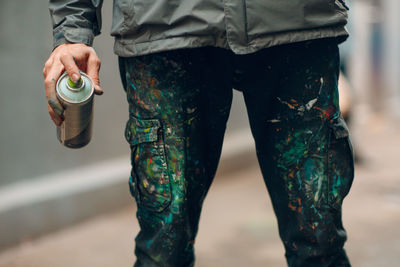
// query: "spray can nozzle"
[[75, 86]]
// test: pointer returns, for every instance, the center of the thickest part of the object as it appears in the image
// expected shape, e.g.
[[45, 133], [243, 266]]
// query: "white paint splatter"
[[190, 110], [274, 121], [322, 85], [311, 103]]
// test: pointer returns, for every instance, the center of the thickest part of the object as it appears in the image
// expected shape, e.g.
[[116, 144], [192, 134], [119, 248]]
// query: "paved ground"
[[238, 227]]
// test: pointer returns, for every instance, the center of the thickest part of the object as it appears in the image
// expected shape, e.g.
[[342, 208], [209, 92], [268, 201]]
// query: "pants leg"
[[302, 146], [178, 112]]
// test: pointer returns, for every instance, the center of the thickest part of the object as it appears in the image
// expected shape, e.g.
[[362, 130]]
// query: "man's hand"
[[70, 58]]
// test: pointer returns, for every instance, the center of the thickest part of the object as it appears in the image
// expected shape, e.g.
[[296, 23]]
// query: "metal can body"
[[76, 129]]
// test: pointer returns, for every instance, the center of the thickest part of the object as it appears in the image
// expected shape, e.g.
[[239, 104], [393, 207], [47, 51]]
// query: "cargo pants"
[[179, 103]]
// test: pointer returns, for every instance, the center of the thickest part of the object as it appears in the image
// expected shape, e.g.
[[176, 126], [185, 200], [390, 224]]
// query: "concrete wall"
[[43, 185], [28, 145]]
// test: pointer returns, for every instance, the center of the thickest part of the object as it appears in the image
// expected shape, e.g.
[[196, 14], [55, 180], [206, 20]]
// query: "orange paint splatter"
[[328, 113], [292, 207], [156, 93], [299, 205]]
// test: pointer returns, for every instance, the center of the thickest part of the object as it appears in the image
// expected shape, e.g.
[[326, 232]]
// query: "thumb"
[[70, 67]]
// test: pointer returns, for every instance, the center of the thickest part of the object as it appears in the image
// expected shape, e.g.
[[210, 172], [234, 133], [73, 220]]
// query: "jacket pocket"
[[340, 163], [149, 181]]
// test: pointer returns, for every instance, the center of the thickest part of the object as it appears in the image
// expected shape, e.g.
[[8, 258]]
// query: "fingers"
[[54, 117], [93, 68], [52, 74], [57, 107], [70, 66]]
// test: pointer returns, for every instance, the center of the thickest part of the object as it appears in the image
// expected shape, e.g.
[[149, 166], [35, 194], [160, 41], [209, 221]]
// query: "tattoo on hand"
[[76, 62]]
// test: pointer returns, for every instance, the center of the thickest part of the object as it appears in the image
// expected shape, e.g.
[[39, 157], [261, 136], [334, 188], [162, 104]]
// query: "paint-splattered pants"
[[179, 102]]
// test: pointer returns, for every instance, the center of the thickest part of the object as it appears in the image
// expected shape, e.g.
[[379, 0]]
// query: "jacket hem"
[[129, 48], [270, 40]]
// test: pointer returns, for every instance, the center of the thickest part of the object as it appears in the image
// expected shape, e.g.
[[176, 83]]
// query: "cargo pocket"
[[149, 181], [340, 163]]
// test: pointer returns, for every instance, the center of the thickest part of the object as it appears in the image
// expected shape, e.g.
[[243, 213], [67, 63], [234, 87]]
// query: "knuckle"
[[57, 57], [69, 68], [48, 82], [47, 64], [64, 54], [93, 54], [95, 60]]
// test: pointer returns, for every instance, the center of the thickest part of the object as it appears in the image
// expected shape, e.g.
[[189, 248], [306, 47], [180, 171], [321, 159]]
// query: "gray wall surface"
[[28, 143]]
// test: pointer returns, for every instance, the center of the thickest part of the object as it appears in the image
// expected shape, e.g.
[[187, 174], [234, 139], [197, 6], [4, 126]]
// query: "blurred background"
[[62, 207]]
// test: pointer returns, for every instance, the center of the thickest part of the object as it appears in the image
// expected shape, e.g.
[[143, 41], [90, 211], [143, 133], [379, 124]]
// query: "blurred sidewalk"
[[238, 227]]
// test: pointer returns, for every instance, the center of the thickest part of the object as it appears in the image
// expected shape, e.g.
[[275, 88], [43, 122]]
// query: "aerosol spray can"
[[77, 100]]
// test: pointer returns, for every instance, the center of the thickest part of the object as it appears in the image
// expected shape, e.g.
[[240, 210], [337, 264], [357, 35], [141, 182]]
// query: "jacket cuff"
[[73, 35]]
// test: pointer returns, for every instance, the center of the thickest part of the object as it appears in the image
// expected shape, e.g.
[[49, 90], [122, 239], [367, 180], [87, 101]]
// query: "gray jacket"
[[244, 26]]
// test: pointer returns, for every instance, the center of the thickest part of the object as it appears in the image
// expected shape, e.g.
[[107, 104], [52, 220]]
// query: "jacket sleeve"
[[75, 21]]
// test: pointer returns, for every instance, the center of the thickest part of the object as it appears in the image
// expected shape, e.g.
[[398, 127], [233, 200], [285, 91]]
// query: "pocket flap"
[[141, 130], [339, 128]]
